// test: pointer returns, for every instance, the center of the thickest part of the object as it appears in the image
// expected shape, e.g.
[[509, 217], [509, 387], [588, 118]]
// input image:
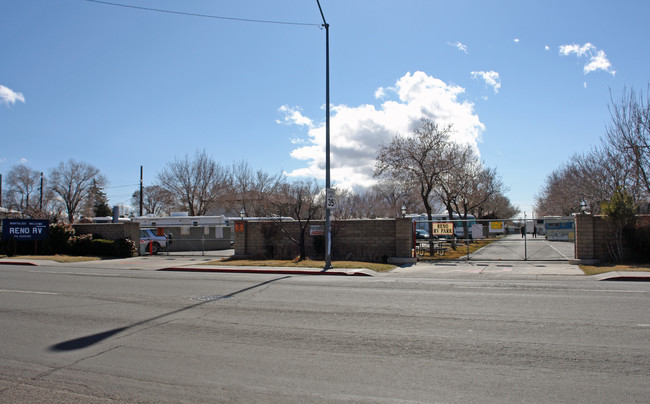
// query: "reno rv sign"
[[25, 229]]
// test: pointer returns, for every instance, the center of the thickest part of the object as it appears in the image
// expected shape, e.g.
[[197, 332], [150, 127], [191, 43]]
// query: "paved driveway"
[[513, 247]]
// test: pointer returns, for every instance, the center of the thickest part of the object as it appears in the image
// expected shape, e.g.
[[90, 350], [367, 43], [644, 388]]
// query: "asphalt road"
[[99, 334]]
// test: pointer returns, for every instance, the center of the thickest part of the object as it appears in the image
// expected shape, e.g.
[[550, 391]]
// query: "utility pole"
[[40, 204], [328, 194], [141, 192]]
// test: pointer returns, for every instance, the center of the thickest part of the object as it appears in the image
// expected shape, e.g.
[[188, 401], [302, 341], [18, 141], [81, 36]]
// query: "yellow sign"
[[496, 227], [443, 229]]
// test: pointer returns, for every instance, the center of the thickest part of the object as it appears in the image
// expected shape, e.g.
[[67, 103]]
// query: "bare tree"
[[254, 191], [419, 161], [620, 162], [347, 204], [498, 206], [23, 190], [628, 133], [196, 183], [71, 183], [478, 185], [593, 176], [453, 183], [390, 195], [156, 200], [303, 202]]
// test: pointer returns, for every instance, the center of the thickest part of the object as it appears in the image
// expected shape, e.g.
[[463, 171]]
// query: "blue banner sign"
[[25, 229]]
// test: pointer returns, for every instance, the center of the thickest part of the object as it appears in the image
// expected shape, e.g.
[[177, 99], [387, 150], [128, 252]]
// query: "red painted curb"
[[18, 263], [262, 271]]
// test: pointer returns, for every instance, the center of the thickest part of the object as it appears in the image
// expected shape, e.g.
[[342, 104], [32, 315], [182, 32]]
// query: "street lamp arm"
[[325, 24]]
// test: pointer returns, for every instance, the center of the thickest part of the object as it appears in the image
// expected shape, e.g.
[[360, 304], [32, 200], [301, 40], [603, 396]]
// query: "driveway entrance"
[[513, 247]]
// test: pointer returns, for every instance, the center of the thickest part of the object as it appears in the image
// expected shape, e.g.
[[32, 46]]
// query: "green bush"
[[124, 248], [102, 248], [637, 240], [62, 240], [80, 245], [86, 245], [11, 247], [59, 238]]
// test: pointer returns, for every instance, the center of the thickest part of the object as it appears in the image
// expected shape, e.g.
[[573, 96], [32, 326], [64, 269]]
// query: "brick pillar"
[[240, 237], [584, 242], [403, 241]]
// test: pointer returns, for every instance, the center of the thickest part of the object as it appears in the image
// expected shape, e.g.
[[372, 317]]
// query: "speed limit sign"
[[329, 196]]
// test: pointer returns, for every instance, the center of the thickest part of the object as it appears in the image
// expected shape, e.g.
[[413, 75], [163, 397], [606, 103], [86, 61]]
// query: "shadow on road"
[[89, 340]]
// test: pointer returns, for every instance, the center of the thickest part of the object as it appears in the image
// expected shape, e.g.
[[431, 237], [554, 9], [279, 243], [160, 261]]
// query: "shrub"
[[59, 238], [102, 248], [80, 245], [124, 248], [11, 247], [637, 240]]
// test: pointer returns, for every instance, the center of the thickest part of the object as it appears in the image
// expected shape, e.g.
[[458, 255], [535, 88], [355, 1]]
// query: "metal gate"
[[205, 240], [542, 239]]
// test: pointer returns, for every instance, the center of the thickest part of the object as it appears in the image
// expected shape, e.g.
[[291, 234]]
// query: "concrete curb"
[[18, 263], [629, 276], [276, 271]]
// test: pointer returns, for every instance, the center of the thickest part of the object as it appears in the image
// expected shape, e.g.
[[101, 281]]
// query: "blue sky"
[[526, 83]]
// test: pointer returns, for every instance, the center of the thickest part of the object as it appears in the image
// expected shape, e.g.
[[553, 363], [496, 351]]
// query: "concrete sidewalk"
[[440, 269], [463, 268]]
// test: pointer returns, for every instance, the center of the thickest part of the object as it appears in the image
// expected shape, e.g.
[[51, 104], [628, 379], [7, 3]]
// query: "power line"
[[158, 10], [122, 186]]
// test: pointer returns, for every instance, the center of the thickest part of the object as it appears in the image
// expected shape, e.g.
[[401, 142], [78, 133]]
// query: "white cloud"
[[460, 46], [599, 61], [380, 93], [8, 96], [357, 131], [491, 78], [547, 47], [23, 160], [577, 49], [293, 116], [516, 40], [597, 58]]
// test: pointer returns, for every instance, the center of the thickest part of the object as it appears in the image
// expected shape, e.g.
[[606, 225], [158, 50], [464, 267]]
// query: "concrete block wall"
[[198, 239], [359, 240], [592, 234], [110, 231]]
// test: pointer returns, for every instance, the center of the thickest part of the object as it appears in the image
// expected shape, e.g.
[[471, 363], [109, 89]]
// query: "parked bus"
[[559, 228]]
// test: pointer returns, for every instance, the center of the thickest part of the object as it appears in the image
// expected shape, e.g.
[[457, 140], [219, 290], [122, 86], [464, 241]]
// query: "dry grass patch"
[[601, 269], [303, 264], [459, 252], [56, 258]]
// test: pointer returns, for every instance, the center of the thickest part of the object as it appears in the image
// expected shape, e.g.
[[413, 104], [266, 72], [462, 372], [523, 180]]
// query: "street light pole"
[[328, 226], [141, 192]]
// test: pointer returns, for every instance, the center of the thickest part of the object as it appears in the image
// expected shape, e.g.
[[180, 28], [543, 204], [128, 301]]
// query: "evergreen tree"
[[99, 202]]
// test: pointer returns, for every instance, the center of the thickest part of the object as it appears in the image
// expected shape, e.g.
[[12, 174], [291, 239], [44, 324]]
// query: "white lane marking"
[[28, 291], [73, 273], [558, 251]]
